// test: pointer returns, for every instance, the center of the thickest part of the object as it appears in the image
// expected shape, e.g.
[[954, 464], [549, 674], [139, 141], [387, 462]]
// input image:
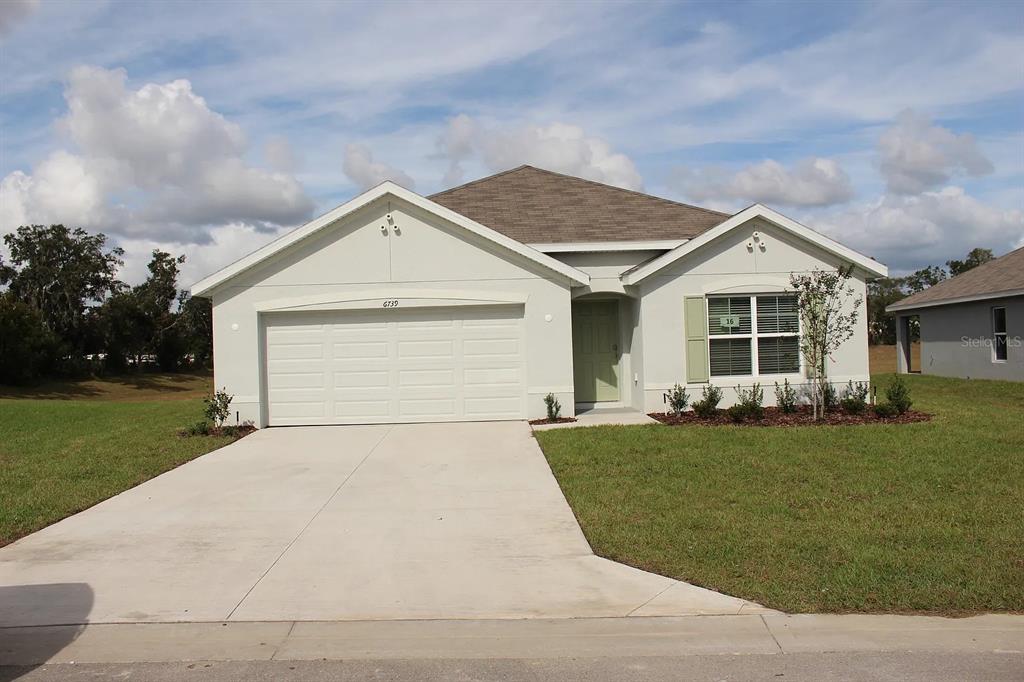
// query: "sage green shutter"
[[696, 331]]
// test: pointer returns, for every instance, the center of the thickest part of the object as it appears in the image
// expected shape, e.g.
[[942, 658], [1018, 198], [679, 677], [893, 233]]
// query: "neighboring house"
[[475, 303], [971, 325]]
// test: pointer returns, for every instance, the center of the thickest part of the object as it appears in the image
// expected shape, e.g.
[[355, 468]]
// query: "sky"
[[208, 129]]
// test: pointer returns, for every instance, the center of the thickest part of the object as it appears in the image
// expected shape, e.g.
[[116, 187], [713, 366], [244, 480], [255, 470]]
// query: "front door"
[[595, 350]]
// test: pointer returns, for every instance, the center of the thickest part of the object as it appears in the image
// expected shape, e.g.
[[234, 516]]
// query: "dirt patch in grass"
[[773, 416], [560, 420]]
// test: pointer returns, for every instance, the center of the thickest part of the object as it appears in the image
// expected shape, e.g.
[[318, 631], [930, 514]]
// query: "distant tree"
[[881, 293], [976, 257], [195, 326], [140, 321], [60, 273], [27, 348], [920, 280]]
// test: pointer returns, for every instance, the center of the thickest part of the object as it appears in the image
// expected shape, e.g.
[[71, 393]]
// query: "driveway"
[[337, 523]]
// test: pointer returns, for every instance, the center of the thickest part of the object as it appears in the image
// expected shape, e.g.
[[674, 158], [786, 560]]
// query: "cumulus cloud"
[[906, 232], [154, 162], [14, 11], [916, 155], [361, 169], [559, 147], [810, 182]]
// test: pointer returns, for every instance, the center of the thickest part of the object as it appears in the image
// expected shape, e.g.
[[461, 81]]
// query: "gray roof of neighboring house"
[[534, 206], [1002, 276]]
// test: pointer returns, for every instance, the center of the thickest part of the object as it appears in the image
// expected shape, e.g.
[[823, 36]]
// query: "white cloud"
[[810, 182], [915, 155], [559, 147], [14, 11], [280, 155], [154, 162], [361, 169], [907, 232]]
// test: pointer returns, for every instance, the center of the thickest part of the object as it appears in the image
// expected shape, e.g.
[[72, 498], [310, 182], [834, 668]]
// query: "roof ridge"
[[479, 180], [579, 179], [623, 189]]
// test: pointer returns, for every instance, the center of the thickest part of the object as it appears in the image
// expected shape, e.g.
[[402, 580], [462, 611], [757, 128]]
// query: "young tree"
[[828, 312], [60, 272]]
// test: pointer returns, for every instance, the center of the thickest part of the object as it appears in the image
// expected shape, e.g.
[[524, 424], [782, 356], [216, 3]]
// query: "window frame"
[[997, 334], [752, 337]]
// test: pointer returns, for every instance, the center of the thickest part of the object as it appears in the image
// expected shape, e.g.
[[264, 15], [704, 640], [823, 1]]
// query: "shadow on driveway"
[[22, 649]]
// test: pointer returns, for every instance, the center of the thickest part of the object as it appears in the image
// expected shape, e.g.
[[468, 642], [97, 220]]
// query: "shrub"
[[554, 407], [898, 395], [27, 349], [855, 398], [885, 410], [785, 397], [198, 429], [707, 406], [678, 399], [750, 402], [218, 407], [829, 397]]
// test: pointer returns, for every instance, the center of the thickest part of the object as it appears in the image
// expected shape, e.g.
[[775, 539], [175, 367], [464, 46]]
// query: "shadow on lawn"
[[121, 387]]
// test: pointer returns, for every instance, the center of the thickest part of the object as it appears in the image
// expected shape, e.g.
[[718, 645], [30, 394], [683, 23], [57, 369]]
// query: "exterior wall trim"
[[405, 298]]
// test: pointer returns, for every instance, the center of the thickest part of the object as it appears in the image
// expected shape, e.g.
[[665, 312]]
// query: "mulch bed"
[[560, 420], [802, 417]]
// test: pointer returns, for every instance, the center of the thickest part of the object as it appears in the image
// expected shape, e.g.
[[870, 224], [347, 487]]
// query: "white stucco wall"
[[956, 340], [426, 255], [726, 266]]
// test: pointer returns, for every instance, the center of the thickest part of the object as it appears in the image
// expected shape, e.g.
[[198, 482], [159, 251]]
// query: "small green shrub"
[[830, 398], [898, 395], [678, 399], [201, 428], [855, 398], [750, 401], [218, 407], [785, 397], [554, 407], [707, 406], [885, 410]]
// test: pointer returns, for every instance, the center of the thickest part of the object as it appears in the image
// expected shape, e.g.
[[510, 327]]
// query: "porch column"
[[902, 344]]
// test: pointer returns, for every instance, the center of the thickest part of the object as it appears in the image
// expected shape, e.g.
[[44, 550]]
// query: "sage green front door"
[[595, 351]]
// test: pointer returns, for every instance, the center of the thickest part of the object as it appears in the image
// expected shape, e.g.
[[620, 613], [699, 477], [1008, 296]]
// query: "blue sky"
[[209, 128]]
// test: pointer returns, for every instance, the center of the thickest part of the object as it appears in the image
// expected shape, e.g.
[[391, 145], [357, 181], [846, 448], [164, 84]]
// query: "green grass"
[[58, 457], [915, 518]]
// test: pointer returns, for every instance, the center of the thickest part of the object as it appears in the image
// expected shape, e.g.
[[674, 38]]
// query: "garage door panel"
[[395, 365], [362, 379]]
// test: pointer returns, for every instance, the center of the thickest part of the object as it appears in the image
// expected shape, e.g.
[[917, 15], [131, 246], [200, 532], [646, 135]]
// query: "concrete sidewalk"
[[762, 634]]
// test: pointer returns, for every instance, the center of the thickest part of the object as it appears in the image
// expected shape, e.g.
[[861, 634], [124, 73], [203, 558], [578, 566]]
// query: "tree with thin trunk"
[[828, 310]]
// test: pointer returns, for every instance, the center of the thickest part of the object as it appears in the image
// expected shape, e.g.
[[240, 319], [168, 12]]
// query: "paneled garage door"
[[445, 364]]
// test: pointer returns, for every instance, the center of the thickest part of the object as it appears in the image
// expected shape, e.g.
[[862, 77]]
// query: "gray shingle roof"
[[533, 206], [1004, 274]]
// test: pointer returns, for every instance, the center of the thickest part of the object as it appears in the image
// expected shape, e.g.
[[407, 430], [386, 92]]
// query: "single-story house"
[[477, 302], [972, 325]]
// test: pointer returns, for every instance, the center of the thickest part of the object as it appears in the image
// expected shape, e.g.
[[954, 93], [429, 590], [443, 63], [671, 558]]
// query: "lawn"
[[65, 447], [915, 518]]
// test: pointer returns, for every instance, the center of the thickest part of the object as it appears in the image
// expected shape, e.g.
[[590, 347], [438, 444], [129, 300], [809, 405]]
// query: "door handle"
[[615, 347]]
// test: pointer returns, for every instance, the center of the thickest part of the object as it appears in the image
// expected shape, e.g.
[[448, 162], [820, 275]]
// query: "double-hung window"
[[753, 335], [999, 334]]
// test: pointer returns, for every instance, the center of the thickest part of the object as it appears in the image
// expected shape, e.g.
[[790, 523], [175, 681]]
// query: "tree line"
[[65, 313], [888, 290]]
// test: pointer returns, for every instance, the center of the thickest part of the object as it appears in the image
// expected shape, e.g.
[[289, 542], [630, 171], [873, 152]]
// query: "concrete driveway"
[[337, 523]]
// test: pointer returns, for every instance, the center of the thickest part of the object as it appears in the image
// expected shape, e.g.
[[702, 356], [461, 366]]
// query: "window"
[[739, 324], [999, 334]]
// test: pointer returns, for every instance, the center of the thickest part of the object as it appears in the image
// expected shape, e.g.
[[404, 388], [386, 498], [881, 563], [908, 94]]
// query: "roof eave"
[[900, 306], [205, 286], [869, 265]]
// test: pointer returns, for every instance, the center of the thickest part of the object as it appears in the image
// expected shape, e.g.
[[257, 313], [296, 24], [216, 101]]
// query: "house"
[[475, 303], [971, 325]]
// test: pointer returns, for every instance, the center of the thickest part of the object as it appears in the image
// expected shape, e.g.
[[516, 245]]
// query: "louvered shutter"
[[695, 323]]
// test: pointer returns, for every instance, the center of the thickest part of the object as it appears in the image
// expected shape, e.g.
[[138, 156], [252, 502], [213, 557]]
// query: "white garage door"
[[446, 364]]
